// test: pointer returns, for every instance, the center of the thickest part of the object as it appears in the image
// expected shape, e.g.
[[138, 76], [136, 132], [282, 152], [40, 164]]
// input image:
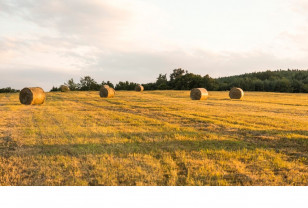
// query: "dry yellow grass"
[[155, 138]]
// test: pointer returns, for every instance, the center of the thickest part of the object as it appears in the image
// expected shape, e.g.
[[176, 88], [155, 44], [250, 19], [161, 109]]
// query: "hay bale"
[[64, 88], [236, 93], [107, 92], [104, 86], [32, 96], [199, 94], [139, 88]]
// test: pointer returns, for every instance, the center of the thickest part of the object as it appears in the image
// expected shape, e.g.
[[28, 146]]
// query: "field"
[[155, 138]]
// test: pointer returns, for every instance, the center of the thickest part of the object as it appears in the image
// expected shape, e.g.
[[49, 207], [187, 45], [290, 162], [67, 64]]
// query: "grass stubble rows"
[[155, 138]]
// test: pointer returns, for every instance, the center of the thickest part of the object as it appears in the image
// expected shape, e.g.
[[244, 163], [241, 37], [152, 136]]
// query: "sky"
[[45, 43]]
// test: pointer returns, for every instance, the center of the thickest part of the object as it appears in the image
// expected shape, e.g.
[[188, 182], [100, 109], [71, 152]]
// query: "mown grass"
[[155, 138]]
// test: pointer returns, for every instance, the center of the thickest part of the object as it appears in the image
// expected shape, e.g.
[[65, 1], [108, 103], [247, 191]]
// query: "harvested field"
[[155, 138]]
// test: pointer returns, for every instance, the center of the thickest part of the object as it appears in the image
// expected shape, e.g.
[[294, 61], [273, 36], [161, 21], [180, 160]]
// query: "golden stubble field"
[[155, 138]]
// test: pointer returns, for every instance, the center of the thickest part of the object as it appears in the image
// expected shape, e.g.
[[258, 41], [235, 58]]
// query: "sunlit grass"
[[155, 138]]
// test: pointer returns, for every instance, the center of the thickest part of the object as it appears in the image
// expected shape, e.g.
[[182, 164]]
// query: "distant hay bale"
[[64, 88], [199, 94], [236, 93], [139, 88], [32, 96], [105, 87], [107, 92]]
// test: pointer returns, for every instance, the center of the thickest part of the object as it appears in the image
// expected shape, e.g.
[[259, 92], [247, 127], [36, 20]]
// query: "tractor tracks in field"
[[178, 118], [9, 136], [175, 172], [182, 174], [171, 117]]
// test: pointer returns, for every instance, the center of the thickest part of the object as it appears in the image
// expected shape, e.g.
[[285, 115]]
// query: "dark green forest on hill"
[[268, 81]]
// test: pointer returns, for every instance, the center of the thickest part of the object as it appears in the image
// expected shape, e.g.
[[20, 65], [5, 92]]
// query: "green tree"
[[162, 82], [108, 83], [87, 83], [126, 86], [72, 85]]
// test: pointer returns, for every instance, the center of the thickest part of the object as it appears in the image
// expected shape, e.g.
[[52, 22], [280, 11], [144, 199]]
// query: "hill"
[[269, 81]]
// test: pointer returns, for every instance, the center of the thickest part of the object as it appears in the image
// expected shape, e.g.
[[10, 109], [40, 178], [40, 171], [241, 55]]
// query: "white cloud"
[[135, 40]]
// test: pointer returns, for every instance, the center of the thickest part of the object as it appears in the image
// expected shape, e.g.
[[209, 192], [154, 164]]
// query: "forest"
[[293, 81], [268, 81]]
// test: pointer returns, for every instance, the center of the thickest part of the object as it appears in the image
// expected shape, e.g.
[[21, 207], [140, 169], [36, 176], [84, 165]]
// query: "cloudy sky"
[[44, 43]]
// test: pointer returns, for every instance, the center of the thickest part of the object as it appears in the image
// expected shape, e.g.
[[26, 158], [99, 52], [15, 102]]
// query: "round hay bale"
[[236, 93], [64, 88], [32, 96], [102, 88], [139, 88], [107, 92], [199, 94]]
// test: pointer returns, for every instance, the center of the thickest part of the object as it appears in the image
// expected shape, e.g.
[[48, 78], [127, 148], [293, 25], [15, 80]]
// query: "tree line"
[[8, 90], [180, 79], [86, 84], [269, 81], [89, 84]]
